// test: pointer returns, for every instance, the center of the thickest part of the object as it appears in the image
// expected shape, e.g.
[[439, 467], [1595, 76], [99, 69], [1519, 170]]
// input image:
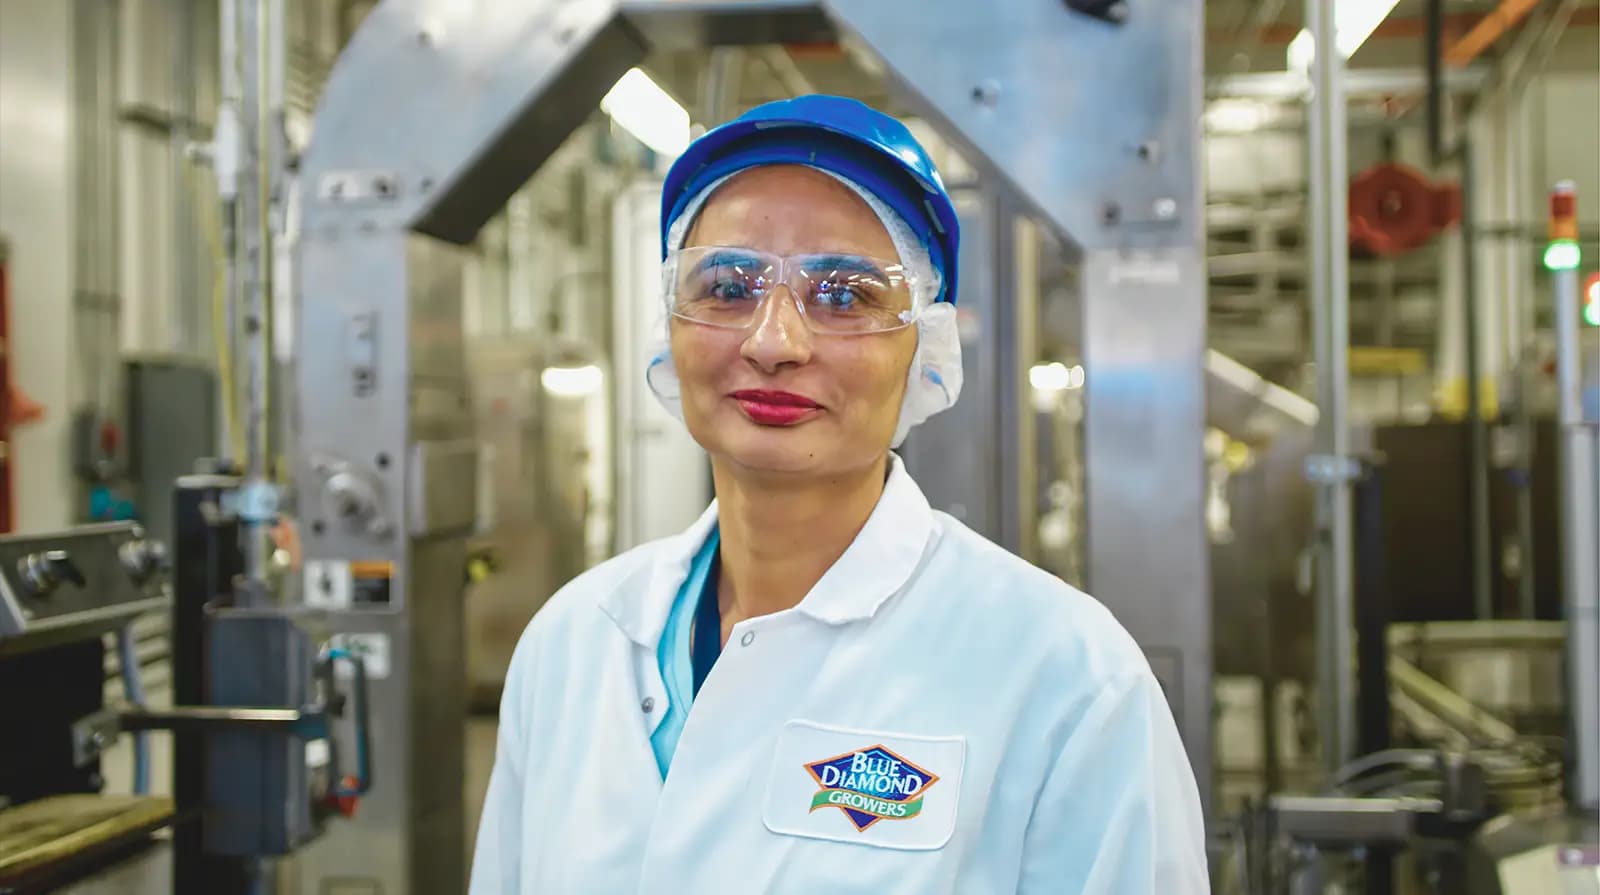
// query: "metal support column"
[[1330, 300], [246, 53], [1144, 320], [1477, 430], [1579, 452], [1373, 612], [987, 500], [205, 553]]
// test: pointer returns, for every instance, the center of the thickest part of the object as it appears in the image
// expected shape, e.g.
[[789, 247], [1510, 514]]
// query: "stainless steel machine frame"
[[439, 110]]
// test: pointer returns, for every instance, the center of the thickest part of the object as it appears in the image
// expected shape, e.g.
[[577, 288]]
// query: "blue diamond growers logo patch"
[[870, 785]]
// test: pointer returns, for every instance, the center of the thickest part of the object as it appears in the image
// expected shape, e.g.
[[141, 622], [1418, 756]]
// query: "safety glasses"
[[835, 293]]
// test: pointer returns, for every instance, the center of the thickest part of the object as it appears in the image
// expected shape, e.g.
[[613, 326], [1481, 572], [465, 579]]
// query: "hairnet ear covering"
[[934, 380]]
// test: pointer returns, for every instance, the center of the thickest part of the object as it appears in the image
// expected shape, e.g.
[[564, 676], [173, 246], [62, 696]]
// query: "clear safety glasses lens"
[[837, 293]]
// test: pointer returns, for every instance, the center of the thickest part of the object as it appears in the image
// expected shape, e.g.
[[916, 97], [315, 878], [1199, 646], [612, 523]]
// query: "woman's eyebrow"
[[843, 263], [727, 257]]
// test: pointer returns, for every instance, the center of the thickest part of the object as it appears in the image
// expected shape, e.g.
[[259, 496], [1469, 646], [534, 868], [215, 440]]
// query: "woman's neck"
[[780, 535]]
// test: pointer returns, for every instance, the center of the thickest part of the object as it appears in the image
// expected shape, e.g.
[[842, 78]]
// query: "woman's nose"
[[779, 334]]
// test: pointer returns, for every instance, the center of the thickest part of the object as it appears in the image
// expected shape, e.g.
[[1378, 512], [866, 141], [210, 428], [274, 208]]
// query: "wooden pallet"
[[55, 830]]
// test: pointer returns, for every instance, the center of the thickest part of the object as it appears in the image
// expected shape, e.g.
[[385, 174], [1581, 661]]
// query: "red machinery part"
[[1564, 211], [1394, 209]]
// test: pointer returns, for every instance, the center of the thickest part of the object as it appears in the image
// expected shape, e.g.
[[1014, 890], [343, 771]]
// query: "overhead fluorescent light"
[[648, 112], [572, 382], [1353, 22], [1055, 377], [1235, 116]]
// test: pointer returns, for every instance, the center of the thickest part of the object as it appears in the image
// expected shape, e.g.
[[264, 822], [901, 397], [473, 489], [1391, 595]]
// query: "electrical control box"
[[77, 583]]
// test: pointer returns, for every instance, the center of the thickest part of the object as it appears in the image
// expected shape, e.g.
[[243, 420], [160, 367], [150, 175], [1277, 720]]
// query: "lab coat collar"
[[876, 565], [641, 613], [882, 558]]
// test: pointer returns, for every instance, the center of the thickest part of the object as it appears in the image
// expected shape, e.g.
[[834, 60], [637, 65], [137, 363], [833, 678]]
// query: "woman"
[[824, 685]]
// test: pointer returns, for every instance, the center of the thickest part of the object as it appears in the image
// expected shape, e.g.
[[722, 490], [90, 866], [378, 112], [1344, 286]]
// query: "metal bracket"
[[1325, 469], [95, 733], [258, 501], [1113, 11], [358, 186], [1324, 821]]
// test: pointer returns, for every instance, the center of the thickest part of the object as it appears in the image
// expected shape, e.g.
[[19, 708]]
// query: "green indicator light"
[[1563, 254], [1591, 313]]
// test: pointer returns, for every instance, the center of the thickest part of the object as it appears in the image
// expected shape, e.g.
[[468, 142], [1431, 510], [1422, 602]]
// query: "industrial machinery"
[[271, 731], [438, 111], [1446, 796], [59, 593]]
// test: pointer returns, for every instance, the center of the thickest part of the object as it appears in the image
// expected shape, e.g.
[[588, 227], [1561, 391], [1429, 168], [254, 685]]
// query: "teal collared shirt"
[[675, 655]]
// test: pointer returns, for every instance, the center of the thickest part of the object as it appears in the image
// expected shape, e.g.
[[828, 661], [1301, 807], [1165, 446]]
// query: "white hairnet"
[[934, 381]]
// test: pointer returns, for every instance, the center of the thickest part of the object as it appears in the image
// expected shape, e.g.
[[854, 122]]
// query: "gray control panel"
[[77, 583]]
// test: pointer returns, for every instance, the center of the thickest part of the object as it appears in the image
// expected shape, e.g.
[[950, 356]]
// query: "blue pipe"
[[133, 689]]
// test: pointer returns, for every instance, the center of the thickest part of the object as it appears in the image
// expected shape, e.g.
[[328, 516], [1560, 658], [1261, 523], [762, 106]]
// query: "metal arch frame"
[[438, 111], [1117, 104]]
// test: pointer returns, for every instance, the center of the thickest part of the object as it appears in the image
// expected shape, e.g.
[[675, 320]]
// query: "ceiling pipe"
[[1488, 31], [1407, 28]]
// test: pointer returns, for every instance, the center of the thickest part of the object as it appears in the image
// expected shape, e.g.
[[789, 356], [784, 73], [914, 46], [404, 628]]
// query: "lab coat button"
[[749, 636], [648, 705]]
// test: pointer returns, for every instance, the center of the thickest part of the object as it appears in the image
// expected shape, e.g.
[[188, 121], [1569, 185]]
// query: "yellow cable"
[[219, 319]]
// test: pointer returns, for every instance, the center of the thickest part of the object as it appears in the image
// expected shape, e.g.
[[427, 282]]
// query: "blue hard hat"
[[836, 134]]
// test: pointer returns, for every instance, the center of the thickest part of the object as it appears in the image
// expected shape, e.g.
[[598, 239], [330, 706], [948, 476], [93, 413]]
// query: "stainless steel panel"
[[946, 441], [461, 102], [406, 835], [444, 487], [691, 24], [1143, 342], [1094, 125]]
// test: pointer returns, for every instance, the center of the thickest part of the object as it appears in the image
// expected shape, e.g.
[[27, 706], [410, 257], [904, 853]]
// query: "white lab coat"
[[1010, 734]]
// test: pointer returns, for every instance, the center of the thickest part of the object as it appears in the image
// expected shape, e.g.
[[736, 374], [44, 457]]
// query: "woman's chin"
[[783, 451]]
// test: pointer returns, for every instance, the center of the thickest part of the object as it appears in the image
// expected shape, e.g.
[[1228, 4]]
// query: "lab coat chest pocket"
[[875, 788]]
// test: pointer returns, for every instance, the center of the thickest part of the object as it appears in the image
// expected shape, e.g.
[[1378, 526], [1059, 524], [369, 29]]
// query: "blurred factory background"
[[310, 395]]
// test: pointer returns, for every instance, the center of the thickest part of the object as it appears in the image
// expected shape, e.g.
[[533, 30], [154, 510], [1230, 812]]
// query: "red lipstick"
[[775, 408]]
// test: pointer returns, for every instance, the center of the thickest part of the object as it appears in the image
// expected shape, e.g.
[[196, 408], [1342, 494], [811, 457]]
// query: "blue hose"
[[362, 734], [133, 689]]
